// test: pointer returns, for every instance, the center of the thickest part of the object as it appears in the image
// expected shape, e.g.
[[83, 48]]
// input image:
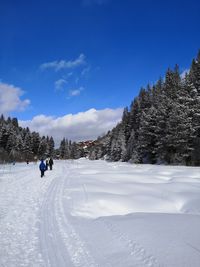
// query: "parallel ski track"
[[52, 246], [77, 248], [61, 245]]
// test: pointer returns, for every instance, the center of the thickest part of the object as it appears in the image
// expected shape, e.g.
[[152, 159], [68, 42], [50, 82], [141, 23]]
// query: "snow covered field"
[[94, 213]]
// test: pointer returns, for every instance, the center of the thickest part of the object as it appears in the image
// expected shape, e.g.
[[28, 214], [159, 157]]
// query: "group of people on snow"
[[45, 165]]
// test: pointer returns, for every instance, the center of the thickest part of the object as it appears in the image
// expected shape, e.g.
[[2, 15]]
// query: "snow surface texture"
[[94, 213]]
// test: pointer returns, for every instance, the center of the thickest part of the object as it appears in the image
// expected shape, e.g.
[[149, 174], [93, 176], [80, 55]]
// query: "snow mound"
[[94, 213], [107, 189]]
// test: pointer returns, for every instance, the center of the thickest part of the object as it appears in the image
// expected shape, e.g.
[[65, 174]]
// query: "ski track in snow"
[[79, 253], [139, 255], [63, 241], [33, 205], [18, 225], [49, 238], [38, 227]]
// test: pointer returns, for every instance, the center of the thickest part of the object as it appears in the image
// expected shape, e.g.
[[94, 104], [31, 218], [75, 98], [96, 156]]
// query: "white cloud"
[[76, 92], [81, 126], [10, 99], [63, 64], [59, 84]]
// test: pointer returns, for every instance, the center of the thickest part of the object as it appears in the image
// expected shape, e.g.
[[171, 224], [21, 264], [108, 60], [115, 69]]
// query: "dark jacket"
[[51, 161], [42, 166]]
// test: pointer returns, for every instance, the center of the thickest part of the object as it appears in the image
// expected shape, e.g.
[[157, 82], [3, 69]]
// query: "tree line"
[[162, 124], [20, 144]]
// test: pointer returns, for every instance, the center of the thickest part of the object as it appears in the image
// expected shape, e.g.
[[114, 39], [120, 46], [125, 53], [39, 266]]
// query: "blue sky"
[[85, 57]]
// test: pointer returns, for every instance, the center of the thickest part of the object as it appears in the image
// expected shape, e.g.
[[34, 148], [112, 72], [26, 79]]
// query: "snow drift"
[[95, 213]]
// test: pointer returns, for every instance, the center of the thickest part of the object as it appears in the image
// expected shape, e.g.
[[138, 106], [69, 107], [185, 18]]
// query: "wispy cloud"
[[75, 92], [81, 126], [59, 84], [85, 71], [10, 99], [63, 64]]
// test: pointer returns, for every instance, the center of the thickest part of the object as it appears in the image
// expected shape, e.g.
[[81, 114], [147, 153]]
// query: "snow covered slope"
[[94, 213]]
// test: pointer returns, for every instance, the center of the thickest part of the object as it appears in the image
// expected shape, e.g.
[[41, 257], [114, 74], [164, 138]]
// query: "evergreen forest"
[[161, 126]]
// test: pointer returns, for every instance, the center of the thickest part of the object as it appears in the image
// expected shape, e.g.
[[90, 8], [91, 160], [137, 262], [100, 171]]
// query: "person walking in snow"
[[50, 163], [47, 163], [42, 167]]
